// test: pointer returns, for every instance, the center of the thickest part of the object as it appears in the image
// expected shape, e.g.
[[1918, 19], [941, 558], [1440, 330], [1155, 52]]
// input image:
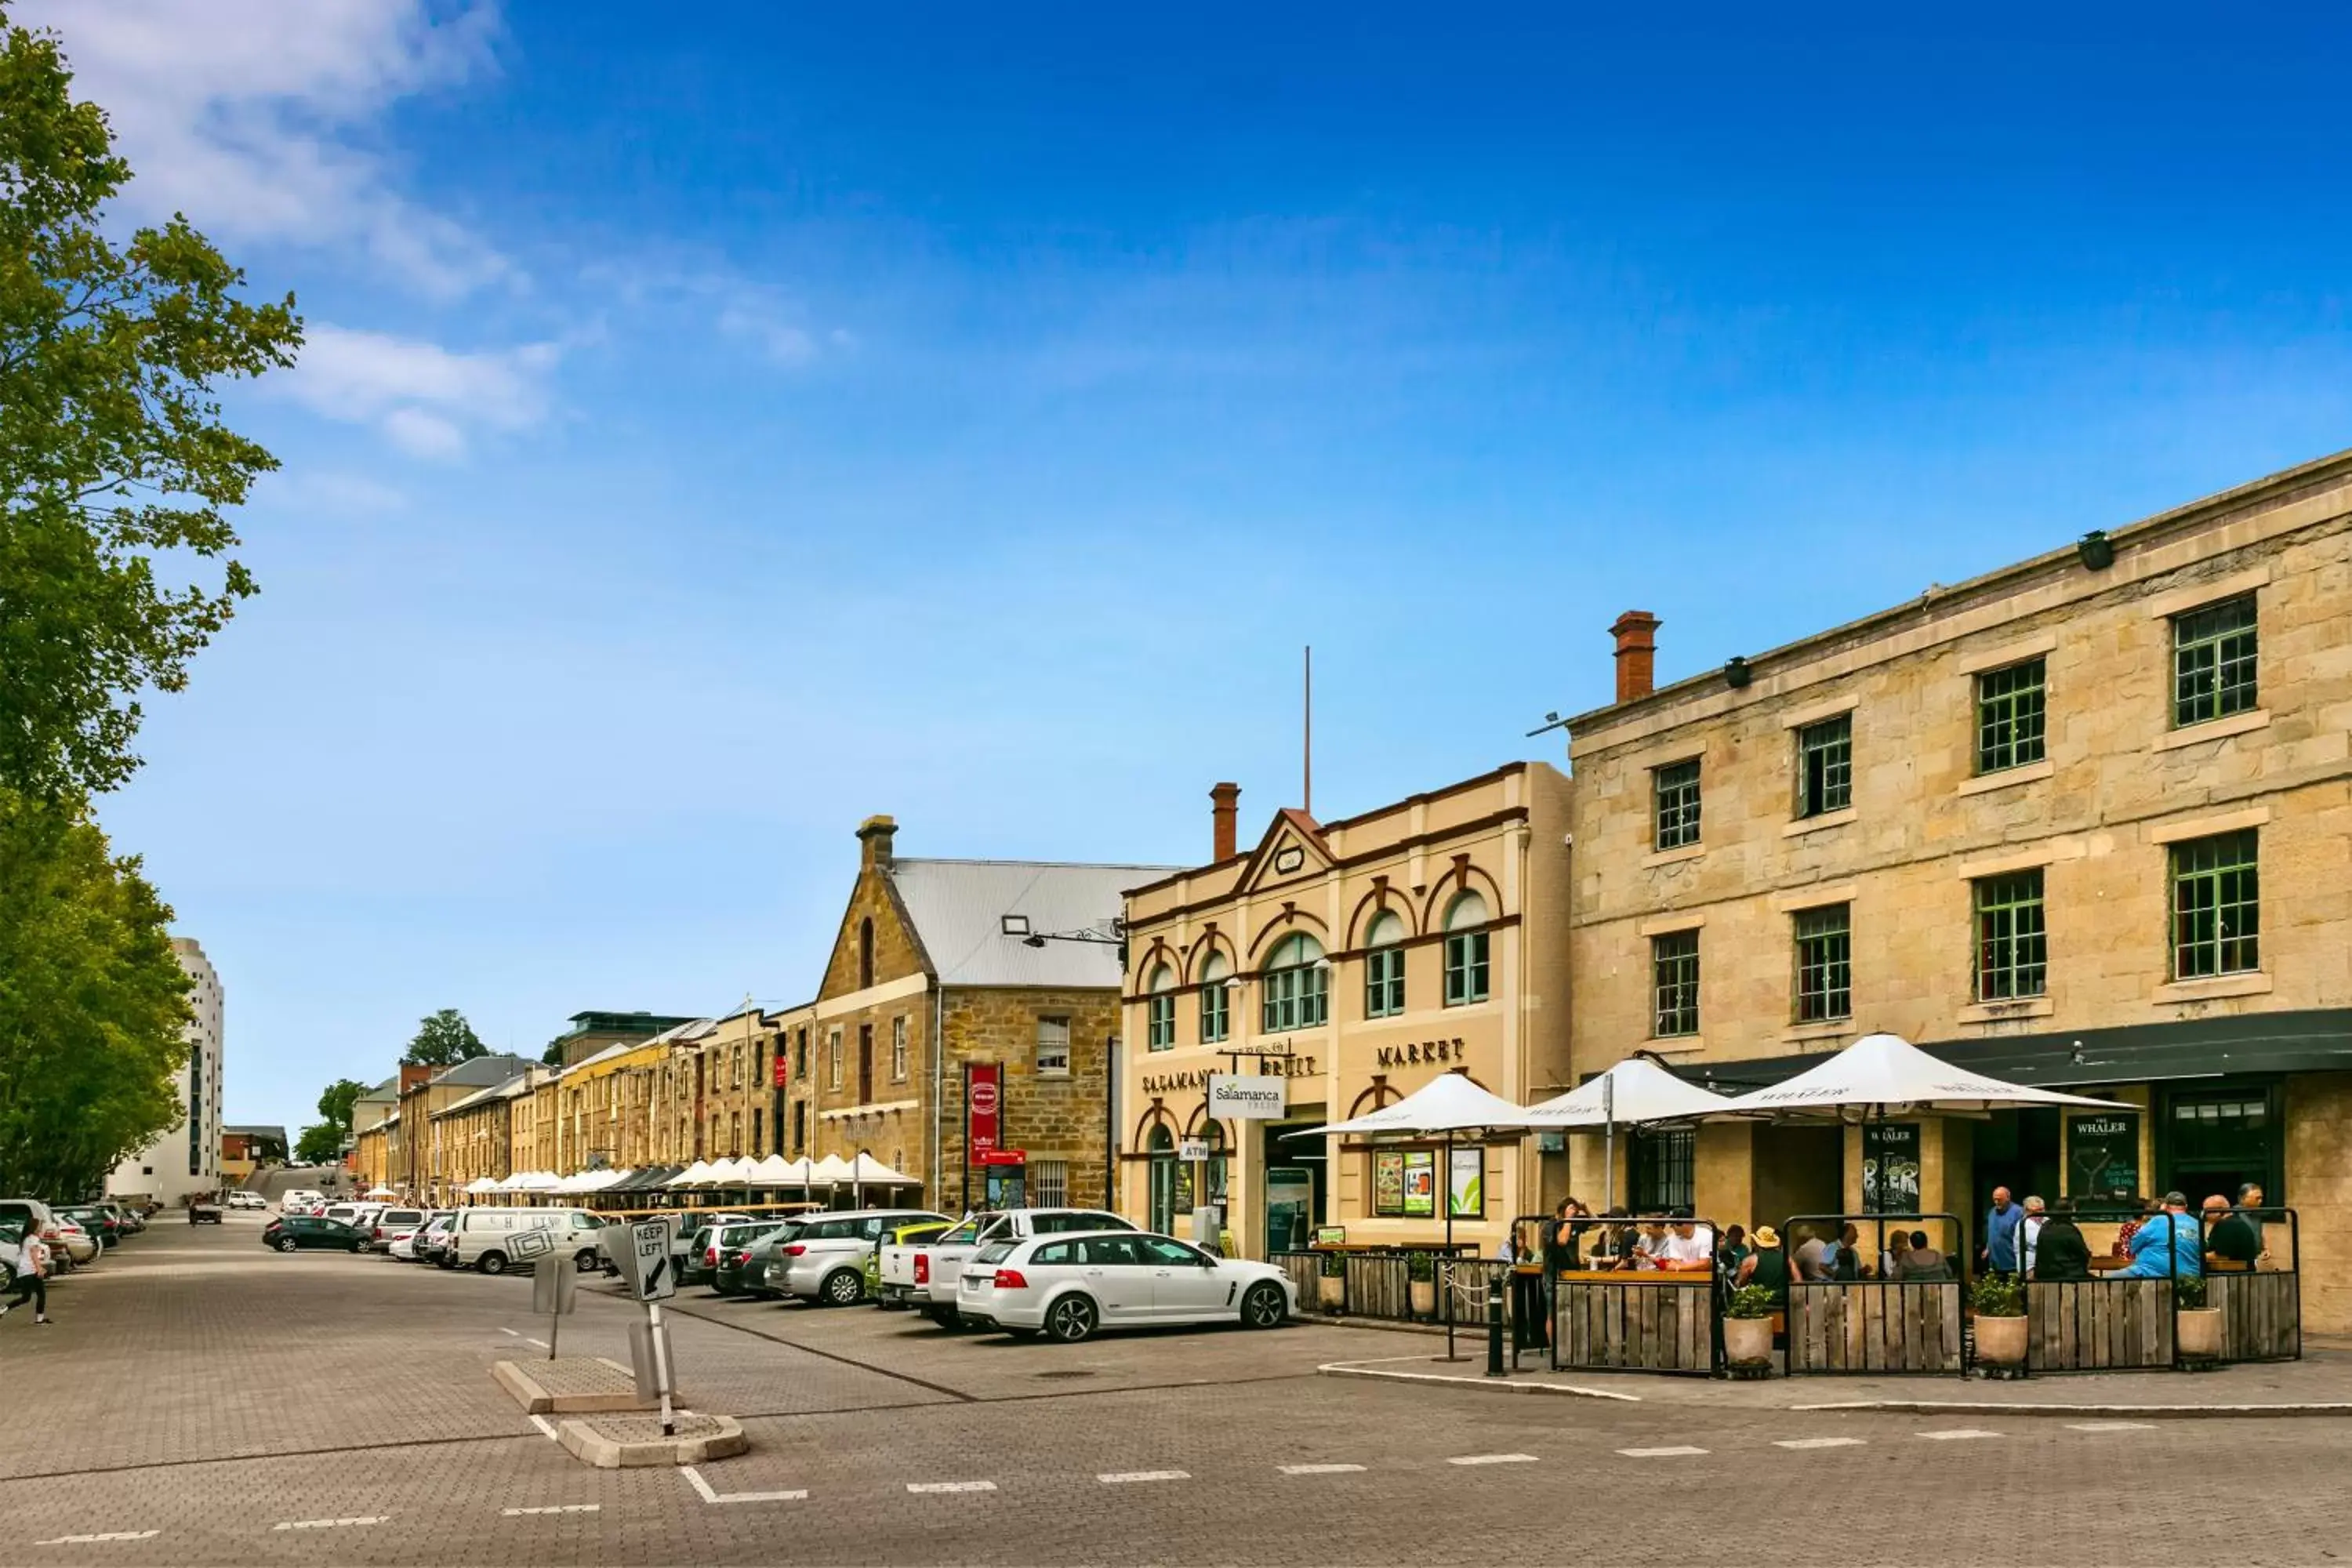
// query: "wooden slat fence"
[[1636, 1327], [2099, 1325], [1865, 1326], [2261, 1314], [1303, 1268]]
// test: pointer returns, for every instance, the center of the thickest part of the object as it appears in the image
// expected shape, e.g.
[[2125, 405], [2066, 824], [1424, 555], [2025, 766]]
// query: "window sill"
[[1673, 857], [1827, 1029], [1815, 823], [1999, 1012], [1677, 1045], [2219, 986], [2213, 730], [2030, 774]]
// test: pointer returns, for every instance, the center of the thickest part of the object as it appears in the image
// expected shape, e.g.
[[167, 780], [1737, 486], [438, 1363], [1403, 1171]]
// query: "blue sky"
[[715, 433]]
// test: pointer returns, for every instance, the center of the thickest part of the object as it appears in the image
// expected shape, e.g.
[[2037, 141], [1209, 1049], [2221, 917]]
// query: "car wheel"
[[1071, 1319], [358, 1247], [493, 1263], [287, 1244], [842, 1289], [586, 1260], [1263, 1306]]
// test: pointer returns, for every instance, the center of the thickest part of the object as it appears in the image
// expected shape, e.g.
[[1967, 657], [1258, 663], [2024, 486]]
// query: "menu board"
[[2103, 1155], [1890, 1167], [1388, 1182], [1420, 1184]]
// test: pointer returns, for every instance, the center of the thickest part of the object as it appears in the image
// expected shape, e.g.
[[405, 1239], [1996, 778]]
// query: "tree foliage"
[[93, 1003], [335, 1102], [114, 459], [321, 1143], [443, 1040]]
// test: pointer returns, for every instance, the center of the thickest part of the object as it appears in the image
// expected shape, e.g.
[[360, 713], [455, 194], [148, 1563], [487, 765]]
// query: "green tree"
[[444, 1040], [321, 1143], [115, 467], [93, 1003], [335, 1102]]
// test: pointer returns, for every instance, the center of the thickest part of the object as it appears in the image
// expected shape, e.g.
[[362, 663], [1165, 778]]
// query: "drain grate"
[[1069, 1371]]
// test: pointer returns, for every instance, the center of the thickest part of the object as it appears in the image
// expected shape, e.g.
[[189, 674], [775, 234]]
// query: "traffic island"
[[628, 1442], [571, 1386]]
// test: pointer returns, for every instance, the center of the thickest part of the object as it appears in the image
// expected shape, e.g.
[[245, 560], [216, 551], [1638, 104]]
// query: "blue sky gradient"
[[715, 434]]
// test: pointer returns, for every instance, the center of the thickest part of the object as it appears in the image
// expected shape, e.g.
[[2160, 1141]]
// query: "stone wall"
[[1049, 1116], [2319, 1186]]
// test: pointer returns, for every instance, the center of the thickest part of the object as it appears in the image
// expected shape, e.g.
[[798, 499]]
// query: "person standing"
[[2059, 1254], [2031, 1232], [2250, 1205], [1999, 1251]]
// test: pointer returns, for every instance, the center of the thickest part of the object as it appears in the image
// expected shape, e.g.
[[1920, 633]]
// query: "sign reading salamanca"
[[1249, 1098]]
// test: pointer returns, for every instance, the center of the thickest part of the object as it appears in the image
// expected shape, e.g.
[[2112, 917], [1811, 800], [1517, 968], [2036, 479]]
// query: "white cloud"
[[253, 117], [426, 399]]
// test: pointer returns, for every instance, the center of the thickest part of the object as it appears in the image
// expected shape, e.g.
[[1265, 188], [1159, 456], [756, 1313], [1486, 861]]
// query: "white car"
[[1067, 1287], [826, 1259], [241, 1199], [924, 1274], [392, 1222], [495, 1239]]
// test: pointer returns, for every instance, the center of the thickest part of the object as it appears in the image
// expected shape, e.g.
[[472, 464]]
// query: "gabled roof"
[[958, 908], [1290, 827], [482, 1071], [519, 1083]]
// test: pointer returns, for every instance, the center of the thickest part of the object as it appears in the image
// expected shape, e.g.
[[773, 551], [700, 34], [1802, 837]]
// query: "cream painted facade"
[[1486, 861], [1932, 842]]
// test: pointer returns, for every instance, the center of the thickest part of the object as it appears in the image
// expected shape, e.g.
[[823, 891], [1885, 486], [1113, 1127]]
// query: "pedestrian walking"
[[1999, 1251], [27, 1259]]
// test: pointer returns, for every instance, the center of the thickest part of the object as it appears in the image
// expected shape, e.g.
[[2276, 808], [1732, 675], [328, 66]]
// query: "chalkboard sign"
[[2103, 1155], [1890, 1167]]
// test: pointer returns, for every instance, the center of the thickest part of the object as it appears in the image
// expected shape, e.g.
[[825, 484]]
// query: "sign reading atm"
[[1248, 1098]]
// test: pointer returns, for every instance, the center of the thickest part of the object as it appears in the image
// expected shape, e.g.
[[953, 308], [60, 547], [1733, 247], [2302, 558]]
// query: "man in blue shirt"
[[2001, 1232], [2167, 1245]]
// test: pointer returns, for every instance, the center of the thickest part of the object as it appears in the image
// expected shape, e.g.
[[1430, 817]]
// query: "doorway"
[[2017, 1150], [2215, 1140], [1161, 1147], [1295, 1183]]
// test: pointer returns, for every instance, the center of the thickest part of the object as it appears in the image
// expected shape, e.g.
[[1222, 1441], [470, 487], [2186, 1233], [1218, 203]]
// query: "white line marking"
[[700, 1485], [1492, 1459], [1121, 1478], [557, 1508], [1321, 1469], [1953, 1433], [511, 1333], [922, 1488], [546, 1427], [1673, 1453], [333, 1523], [711, 1496], [529, 1340], [2111, 1425], [1818, 1442], [105, 1535]]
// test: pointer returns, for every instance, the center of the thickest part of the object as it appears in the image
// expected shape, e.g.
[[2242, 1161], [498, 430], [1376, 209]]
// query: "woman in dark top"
[[1768, 1265], [1734, 1252]]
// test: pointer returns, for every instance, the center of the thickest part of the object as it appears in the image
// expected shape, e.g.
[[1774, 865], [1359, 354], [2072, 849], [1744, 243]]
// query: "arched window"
[[1159, 1019], [1217, 999], [865, 952], [1384, 966], [1297, 985], [1466, 951]]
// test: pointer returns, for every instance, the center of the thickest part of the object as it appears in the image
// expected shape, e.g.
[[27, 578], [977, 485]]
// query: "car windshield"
[[994, 1252], [961, 1233]]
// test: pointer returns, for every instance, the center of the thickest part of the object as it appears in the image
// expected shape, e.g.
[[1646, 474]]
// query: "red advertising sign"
[[983, 1119], [784, 1061]]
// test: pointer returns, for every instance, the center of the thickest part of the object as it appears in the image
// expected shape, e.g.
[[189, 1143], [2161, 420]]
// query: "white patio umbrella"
[[795, 1174], [1879, 1072], [694, 1175], [379, 1193], [832, 1170], [1635, 1090], [775, 1170], [865, 1169]]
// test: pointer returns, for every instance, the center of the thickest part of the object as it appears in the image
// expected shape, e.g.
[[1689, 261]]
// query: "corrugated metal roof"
[[482, 1071], [957, 906]]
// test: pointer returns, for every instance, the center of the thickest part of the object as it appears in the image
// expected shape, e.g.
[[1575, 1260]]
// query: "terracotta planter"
[[1424, 1298], [2200, 1333], [1331, 1291], [1747, 1342], [2000, 1342]]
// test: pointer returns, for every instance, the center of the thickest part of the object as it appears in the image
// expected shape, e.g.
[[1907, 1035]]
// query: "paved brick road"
[[244, 1407]]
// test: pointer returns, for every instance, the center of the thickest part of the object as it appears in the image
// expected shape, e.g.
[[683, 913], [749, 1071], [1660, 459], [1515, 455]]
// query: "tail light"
[[710, 1256], [922, 1268], [1011, 1279], [741, 1258], [794, 1250]]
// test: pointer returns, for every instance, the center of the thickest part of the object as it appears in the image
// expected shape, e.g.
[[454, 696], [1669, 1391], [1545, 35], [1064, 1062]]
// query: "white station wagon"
[[1066, 1286]]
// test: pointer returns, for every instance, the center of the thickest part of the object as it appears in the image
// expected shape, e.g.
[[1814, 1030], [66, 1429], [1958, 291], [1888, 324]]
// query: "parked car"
[[302, 1232], [732, 1253], [391, 1222], [495, 1239], [1069, 1287], [99, 1222], [132, 1220], [72, 1241], [923, 1275], [33, 1218], [300, 1200], [241, 1199], [825, 1261], [919, 1233], [432, 1245]]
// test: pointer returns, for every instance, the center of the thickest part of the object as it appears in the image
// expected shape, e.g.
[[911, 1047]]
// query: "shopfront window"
[[2216, 1140]]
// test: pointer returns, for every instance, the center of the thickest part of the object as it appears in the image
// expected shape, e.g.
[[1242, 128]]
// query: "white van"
[[495, 1239]]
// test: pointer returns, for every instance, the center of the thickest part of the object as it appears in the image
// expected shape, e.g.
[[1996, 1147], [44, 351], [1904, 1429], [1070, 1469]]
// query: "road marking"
[[333, 1523], [1672, 1453], [1121, 1478], [1321, 1469], [923, 1488], [2111, 1425], [546, 1427], [103, 1535], [529, 1340], [557, 1508], [511, 1333], [1956, 1433], [1818, 1442], [712, 1496], [1492, 1459]]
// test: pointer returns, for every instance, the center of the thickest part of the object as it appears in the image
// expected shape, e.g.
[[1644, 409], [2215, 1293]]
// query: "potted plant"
[[1420, 1274], [1999, 1303], [2197, 1325], [1331, 1282], [1747, 1326]]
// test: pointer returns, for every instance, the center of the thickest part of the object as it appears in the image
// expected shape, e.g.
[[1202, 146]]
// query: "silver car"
[[826, 1259]]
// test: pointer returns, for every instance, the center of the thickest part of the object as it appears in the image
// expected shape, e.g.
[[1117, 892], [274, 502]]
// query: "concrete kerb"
[[633, 1441], [570, 1385], [1378, 1368]]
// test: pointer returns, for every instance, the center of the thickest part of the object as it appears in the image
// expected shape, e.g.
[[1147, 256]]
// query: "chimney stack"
[[876, 833], [1225, 807], [1636, 632]]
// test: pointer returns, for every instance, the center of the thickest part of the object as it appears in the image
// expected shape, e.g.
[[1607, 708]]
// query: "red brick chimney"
[[1226, 806], [1636, 632], [413, 1075]]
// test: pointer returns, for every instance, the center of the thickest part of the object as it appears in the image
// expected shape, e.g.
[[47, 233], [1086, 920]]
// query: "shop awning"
[[1882, 1072], [867, 1171], [1635, 1090], [695, 1175]]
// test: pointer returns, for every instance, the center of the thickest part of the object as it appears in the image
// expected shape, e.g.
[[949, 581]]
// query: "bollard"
[[1494, 1326]]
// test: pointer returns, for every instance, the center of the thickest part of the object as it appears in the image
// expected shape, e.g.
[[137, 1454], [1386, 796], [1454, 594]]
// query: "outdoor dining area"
[[1886, 1288], [743, 1183]]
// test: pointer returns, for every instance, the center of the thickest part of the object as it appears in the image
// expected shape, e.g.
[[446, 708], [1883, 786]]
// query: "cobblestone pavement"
[[201, 1401]]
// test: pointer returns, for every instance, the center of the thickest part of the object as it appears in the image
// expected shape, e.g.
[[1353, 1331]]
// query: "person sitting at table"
[[1814, 1256], [2130, 1227], [1846, 1262], [1920, 1263], [1611, 1243], [1685, 1249], [2167, 1246], [2230, 1240], [1768, 1265], [1647, 1245], [1735, 1250], [2060, 1254]]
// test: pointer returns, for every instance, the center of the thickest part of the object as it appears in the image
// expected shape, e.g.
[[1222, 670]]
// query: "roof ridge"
[[900, 861]]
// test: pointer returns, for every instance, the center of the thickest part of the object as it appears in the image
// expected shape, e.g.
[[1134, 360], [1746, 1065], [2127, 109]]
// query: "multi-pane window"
[[1297, 985], [1466, 951], [1052, 1047], [1825, 766], [1216, 1000], [2011, 716], [832, 1052], [898, 1048], [1159, 1011], [1674, 791], [1824, 963], [1673, 969], [2216, 906], [1664, 1171], [1384, 967], [1049, 1183], [2213, 661], [2013, 946]]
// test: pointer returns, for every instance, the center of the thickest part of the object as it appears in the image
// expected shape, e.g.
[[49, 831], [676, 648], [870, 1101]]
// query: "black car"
[[743, 1257], [292, 1233], [101, 1223]]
